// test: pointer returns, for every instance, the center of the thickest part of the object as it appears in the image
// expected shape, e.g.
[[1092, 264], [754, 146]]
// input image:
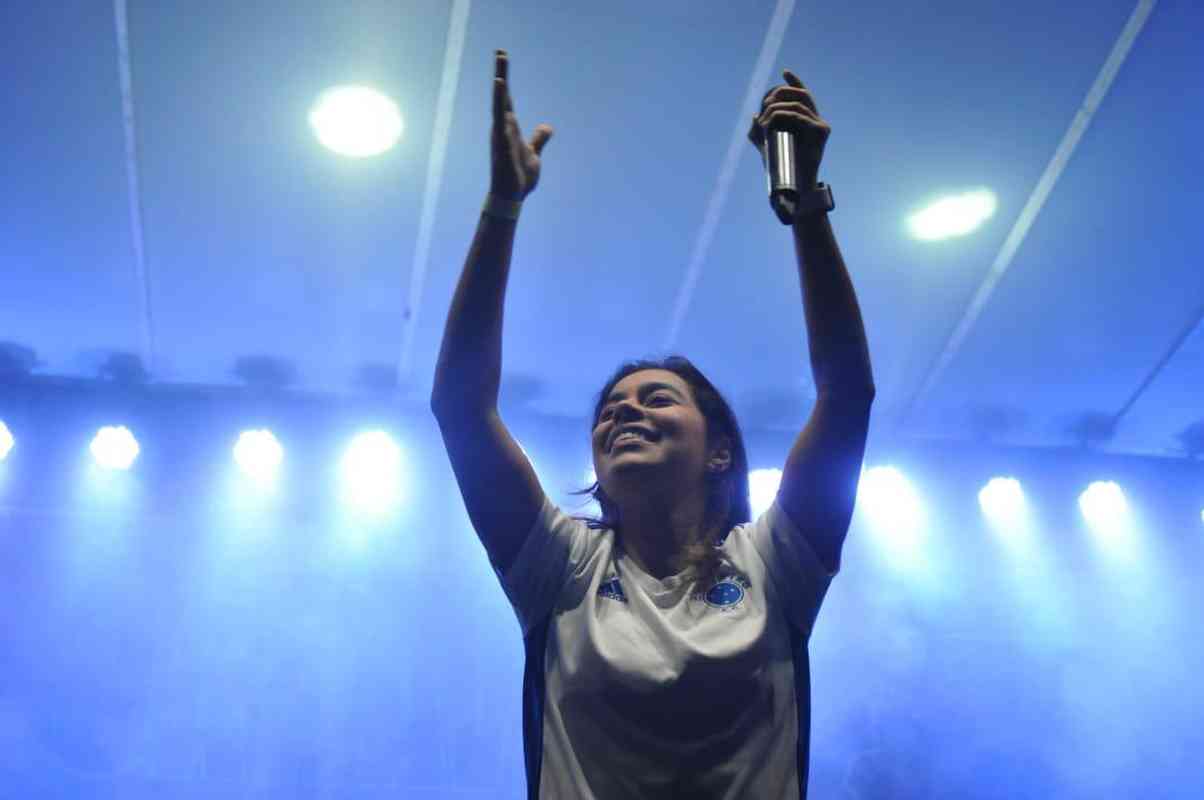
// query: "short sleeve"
[[799, 578], [556, 546]]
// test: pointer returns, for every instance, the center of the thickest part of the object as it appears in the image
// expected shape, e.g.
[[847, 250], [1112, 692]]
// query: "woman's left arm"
[[819, 481]]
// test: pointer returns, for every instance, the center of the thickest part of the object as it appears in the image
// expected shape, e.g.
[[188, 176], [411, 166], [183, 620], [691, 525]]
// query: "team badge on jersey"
[[727, 592], [613, 589]]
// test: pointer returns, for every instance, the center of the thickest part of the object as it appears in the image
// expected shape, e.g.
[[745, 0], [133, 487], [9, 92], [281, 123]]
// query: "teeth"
[[629, 435]]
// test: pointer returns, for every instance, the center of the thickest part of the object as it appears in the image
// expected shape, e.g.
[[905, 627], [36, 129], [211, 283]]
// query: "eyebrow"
[[646, 388]]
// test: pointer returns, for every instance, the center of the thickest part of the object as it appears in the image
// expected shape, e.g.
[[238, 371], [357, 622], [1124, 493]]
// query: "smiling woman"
[[691, 431], [666, 641]]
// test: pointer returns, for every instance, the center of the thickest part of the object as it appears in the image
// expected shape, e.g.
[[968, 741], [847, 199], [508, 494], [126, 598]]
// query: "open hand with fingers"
[[515, 163], [791, 107]]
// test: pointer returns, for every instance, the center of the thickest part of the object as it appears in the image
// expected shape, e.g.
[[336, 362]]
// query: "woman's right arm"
[[500, 489]]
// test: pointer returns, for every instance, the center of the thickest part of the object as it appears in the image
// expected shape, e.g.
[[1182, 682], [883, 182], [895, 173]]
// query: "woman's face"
[[670, 443]]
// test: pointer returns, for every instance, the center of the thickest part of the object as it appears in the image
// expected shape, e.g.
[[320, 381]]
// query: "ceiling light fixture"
[[356, 121], [954, 215]]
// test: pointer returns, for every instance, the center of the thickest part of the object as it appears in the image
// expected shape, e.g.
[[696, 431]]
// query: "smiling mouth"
[[628, 441]]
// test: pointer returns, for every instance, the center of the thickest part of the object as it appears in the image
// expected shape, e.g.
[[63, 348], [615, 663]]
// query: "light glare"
[[1002, 500], [887, 493], [114, 447], [356, 121], [762, 489], [6, 441], [371, 472], [952, 216], [1103, 504], [258, 454], [895, 512]]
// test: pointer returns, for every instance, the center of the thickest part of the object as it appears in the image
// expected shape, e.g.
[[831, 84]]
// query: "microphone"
[[780, 173]]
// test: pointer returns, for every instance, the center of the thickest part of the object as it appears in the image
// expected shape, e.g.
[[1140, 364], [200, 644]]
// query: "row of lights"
[[887, 494], [372, 461], [370, 466]]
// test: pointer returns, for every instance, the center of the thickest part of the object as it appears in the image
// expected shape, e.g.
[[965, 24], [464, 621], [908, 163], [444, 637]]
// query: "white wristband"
[[501, 207]]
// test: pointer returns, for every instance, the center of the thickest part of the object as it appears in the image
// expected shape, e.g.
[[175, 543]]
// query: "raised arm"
[[819, 481], [500, 489]]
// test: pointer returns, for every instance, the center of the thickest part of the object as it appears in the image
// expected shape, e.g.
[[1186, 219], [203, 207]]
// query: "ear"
[[720, 459]]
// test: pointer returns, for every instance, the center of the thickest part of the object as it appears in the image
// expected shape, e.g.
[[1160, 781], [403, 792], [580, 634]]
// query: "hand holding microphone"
[[790, 136]]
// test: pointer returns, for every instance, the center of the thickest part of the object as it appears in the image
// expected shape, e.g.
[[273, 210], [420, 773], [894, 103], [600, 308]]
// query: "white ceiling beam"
[[444, 108], [146, 319], [757, 83]]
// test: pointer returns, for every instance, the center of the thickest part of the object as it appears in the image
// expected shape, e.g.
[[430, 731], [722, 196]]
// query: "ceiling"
[[232, 233]]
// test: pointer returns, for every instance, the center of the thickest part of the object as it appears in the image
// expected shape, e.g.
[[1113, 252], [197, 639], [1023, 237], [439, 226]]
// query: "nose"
[[623, 411]]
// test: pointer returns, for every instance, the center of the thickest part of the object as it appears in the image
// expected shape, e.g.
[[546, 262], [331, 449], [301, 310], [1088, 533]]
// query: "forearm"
[[468, 373], [840, 359]]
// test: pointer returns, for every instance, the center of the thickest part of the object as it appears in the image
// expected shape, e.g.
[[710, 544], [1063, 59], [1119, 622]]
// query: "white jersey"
[[643, 688]]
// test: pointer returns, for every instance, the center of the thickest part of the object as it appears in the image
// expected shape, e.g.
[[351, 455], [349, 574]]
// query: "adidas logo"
[[613, 589]]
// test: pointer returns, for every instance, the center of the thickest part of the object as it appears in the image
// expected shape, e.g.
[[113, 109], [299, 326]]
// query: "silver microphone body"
[[781, 174]]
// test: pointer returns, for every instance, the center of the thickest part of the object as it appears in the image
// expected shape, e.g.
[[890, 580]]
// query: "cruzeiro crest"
[[727, 592]]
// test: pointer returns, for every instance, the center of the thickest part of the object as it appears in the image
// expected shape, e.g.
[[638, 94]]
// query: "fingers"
[[540, 137], [499, 101], [788, 94], [501, 88], [778, 111], [797, 121], [501, 64]]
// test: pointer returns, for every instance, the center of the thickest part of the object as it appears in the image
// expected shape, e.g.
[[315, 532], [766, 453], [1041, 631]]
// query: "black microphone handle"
[[780, 172]]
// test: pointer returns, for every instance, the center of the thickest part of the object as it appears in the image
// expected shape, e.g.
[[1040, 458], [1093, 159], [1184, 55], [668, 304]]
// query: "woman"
[[666, 644]]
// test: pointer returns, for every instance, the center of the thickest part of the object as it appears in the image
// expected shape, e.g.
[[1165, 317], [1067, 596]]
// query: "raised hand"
[[792, 108], [515, 170]]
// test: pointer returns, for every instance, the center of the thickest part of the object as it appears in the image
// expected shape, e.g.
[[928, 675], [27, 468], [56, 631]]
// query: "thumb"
[[792, 79], [540, 137]]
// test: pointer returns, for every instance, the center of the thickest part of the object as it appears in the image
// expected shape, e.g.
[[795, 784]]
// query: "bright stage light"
[[6, 441], [1104, 506], [1002, 500], [888, 495], [951, 216], [371, 472], [762, 489], [895, 513], [114, 447], [356, 121], [258, 454]]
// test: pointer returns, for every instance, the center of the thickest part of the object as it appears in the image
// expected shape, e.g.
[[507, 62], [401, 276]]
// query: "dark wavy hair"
[[728, 488]]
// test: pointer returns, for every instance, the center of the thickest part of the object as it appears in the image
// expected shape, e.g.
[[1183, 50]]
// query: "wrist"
[[814, 203], [502, 206]]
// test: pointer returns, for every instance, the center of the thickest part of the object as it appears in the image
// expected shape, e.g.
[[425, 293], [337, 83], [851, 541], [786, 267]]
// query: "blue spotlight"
[[1002, 500], [895, 513], [888, 495], [371, 472], [6, 440], [258, 454], [114, 447], [762, 489], [1103, 504]]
